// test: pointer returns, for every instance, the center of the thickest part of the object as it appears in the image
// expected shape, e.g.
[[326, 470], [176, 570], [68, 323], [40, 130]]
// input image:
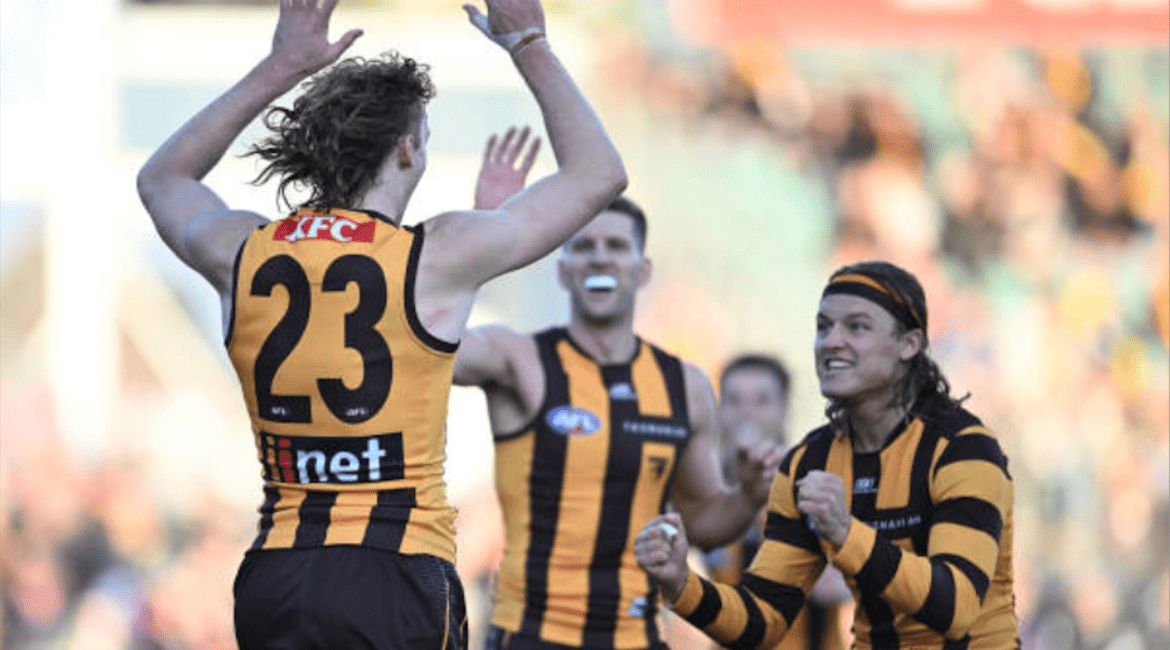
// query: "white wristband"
[[506, 41]]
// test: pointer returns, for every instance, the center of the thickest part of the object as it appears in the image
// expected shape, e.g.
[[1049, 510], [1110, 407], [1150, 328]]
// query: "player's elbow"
[[147, 183], [602, 180], [615, 178]]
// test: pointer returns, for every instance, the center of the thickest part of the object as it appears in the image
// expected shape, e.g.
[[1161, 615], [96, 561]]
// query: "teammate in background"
[[342, 324], [923, 535], [595, 430], [753, 404]]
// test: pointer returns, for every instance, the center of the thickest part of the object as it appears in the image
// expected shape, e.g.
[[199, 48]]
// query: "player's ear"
[[564, 276], [912, 343], [645, 268], [405, 151]]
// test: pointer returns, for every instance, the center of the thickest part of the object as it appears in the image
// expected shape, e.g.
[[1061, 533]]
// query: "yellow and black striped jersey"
[[928, 556], [576, 487], [346, 389], [816, 626]]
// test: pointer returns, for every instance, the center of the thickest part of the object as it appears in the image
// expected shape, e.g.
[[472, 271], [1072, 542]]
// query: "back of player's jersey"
[[346, 390]]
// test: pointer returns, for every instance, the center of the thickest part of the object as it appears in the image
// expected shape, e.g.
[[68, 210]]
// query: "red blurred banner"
[[842, 22]]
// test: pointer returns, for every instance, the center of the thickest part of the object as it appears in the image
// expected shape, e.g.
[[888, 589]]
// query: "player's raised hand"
[[301, 42], [499, 177], [755, 465], [661, 550], [508, 22]]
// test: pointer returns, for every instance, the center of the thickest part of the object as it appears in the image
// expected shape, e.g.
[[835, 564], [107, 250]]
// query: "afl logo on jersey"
[[572, 421]]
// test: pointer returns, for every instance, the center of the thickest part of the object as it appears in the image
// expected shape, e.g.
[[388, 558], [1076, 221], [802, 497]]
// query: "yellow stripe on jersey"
[[513, 471], [898, 460]]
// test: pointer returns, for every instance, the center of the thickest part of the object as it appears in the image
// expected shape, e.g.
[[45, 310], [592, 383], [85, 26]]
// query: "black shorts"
[[499, 639], [348, 597]]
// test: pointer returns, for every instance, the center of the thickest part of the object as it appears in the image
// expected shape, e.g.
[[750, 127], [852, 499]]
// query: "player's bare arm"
[[715, 513], [506, 365], [465, 249], [191, 218]]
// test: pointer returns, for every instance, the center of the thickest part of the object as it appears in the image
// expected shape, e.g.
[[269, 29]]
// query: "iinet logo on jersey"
[[290, 459], [326, 227]]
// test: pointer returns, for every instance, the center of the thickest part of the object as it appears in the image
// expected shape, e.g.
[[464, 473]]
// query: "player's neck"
[[389, 196], [873, 422], [606, 344]]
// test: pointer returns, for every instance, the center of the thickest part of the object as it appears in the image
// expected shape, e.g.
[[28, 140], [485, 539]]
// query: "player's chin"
[[834, 386]]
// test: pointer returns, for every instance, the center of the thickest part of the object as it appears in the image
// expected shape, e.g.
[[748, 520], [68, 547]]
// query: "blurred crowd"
[[1041, 230]]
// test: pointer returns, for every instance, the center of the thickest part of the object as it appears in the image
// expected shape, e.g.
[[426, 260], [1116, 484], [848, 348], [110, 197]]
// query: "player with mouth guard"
[[595, 430]]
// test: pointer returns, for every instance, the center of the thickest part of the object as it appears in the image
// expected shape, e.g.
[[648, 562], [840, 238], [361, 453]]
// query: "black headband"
[[873, 290]]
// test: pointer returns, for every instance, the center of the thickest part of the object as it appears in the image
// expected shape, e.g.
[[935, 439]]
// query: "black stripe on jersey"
[[816, 626], [651, 615], [708, 608], [963, 643], [978, 578], [614, 519], [818, 444], [786, 463], [872, 580], [411, 313], [544, 500], [672, 374], [938, 611], [880, 567], [676, 387], [791, 531], [785, 599], [231, 327], [378, 215], [388, 518], [755, 628], [972, 513], [314, 519], [972, 446], [271, 497]]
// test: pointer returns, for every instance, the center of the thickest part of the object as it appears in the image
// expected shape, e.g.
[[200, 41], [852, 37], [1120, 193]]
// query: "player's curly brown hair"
[[338, 133]]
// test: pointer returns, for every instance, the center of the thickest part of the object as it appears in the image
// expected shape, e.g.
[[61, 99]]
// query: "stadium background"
[[1011, 153]]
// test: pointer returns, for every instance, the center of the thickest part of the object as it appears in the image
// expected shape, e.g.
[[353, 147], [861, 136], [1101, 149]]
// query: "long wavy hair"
[[922, 389], [340, 131]]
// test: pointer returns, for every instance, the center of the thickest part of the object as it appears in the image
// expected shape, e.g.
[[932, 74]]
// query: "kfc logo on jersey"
[[572, 421], [323, 227], [308, 459]]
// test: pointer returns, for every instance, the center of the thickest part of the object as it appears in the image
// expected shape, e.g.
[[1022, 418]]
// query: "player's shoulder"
[[967, 439], [822, 435], [955, 421]]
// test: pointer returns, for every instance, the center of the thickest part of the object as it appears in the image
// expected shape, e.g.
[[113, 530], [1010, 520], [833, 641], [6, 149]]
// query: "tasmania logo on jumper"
[[894, 525], [323, 227], [338, 460], [573, 421], [654, 429]]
